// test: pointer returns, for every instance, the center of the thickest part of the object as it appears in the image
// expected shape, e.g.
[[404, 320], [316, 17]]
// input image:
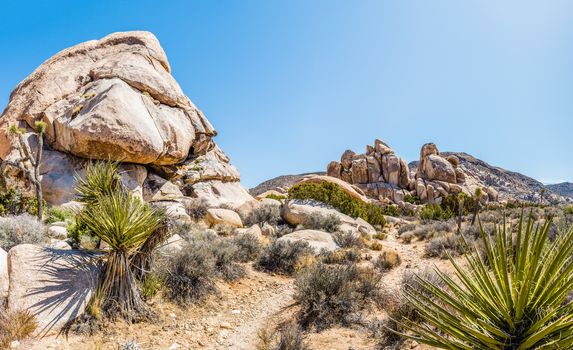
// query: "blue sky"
[[290, 85]]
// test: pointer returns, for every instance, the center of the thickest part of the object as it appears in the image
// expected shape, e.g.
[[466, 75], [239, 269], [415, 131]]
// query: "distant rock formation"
[[116, 99], [382, 175]]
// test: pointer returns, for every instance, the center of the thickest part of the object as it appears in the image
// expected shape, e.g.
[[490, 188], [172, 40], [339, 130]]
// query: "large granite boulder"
[[4, 281], [115, 98], [53, 284]]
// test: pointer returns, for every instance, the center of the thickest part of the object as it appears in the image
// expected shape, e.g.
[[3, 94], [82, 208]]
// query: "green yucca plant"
[[512, 296], [125, 223]]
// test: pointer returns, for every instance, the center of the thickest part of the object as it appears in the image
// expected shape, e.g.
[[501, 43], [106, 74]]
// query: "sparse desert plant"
[[15, 325], [266, 213], [376, 246], [388, 260], [444, 245], [283, 256], [380, 235], [224, 229], [225, 254], [407, 237], [519, 302], [150, 285], [189, 276], [248, 247], [341, 256], [406, 228], [331, 194], [14, 202], [130, 345], [287, 336], [20, 229], [329, 295], [56, 214], [317, 221], [282, 230], [435, 212], [196, 208], [346, 239]]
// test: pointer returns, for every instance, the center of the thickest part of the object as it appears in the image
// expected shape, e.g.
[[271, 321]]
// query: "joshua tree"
[[513, 295], [125, 223], [26, 155], [461, 203], [541, 194], [477, 196]]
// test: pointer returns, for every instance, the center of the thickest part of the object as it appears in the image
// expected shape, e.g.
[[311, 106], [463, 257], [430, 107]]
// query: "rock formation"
[[382, 175], [116, 99]]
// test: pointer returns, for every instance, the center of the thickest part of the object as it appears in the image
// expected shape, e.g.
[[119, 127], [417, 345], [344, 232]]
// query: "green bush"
[[449, 207], [331, 194], [13, 202], [435, 212], [413, 199], [277, 197], [57, 214], [568, 210]]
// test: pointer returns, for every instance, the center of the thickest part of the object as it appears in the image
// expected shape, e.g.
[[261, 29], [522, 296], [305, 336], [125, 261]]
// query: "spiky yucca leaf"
[[518, 302], [101, 178], [122, 220]]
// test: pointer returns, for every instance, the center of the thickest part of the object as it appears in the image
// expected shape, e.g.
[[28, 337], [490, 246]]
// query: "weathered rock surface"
[[54, 285], [317, 240], [4, 281], [115, 98], [223, 216]]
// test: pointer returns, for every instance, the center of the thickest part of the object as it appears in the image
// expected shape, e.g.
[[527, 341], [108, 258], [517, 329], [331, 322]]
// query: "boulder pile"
[[115, 99], [382, 175]]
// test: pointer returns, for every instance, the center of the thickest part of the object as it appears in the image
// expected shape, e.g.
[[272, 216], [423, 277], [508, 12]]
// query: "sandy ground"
[[233, 319]]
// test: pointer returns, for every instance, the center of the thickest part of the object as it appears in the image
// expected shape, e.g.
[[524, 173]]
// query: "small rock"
[[236, 312], [226, 325], [14, 344], [174, 346], [57, 232]]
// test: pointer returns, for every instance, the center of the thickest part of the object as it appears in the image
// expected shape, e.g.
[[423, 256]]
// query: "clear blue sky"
[[290, 85]]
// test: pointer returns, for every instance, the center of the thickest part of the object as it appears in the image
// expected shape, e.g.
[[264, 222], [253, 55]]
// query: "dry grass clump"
[[15, 325], [287, 336], [284, 257], [376, 246], [341, 256], [388, 260], [331, 295], [130, 345], [265, 214], [20, 229], [316, 221], [225, 230]]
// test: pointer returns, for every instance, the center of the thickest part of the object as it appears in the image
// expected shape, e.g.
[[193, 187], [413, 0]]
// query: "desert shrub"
[[248, 247], [130, 345], [413, 199], [287, 336], [223, 229], [376, 246], [196, 208], [388, 260], [15, 325], [189, 275], [282, 230], [329, 295], [340, 256], [57, 214], [348, 239], [225, 254], [392, 210], [443, 245], [331, 194], [379, 235], [20, 229], [276, 197], [407, 237], [14, 202], [435, 212], [518, 303], [568, 210], [317, 221], [406, 228], [283, 256], [76, 230], [429, 230], [150, 286], [266, 213]]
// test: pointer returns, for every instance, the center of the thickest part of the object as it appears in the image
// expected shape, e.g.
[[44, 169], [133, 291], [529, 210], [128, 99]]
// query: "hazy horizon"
[[290, 85]]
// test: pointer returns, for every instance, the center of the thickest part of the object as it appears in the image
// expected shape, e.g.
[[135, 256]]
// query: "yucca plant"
[[125, 223], [512, 296]]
